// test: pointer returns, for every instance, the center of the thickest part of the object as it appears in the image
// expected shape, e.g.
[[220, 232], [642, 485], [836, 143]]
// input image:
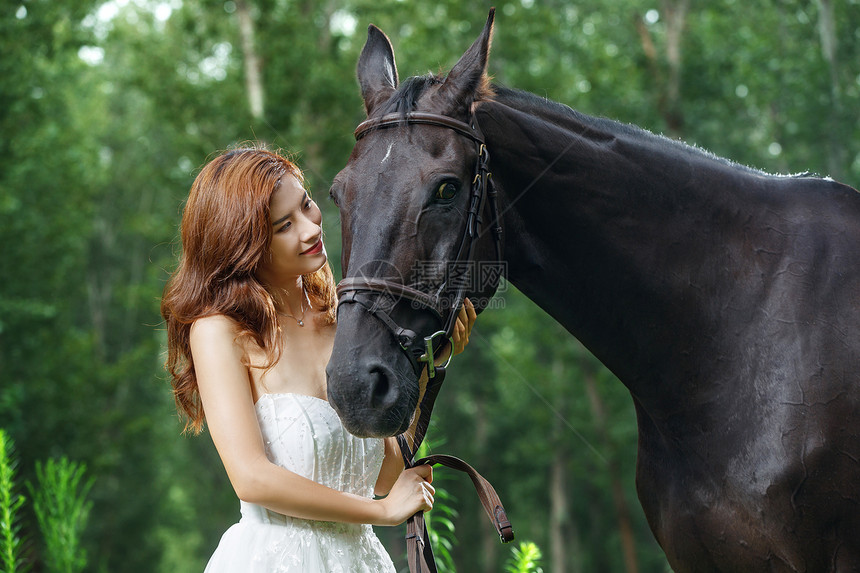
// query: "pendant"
[[301, 323]]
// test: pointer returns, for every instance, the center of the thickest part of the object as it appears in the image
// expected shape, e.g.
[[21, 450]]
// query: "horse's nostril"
[[383, 391]]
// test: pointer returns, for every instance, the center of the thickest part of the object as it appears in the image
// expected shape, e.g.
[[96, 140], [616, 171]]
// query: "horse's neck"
[[607, 232]]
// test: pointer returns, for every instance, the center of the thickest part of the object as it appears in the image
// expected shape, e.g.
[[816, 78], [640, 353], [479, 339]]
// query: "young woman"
[[250, 315]]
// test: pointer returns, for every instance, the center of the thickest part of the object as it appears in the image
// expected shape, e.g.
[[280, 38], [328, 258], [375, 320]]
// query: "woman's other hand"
[[463, 328], [410, 494]]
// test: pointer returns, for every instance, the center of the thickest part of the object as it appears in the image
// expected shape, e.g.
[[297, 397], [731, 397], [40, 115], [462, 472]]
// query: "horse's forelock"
[[405, 99]]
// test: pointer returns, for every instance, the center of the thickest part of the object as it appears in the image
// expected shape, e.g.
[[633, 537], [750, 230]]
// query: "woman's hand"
[[410, 494], [462, 330]]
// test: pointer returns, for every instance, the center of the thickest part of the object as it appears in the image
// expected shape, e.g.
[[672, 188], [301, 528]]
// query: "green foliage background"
[[107, 109]]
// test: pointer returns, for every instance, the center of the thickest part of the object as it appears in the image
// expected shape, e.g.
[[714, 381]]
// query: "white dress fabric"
[[304, 435]]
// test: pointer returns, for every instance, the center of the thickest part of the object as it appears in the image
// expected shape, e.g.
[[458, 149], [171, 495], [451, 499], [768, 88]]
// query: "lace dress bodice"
[[303, 434]]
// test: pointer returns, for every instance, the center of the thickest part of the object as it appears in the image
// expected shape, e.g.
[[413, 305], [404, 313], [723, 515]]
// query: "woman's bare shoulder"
[[216, 325], [216, 332], [219, 360]]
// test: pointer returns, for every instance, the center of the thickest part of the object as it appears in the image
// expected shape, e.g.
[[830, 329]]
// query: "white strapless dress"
[[304, 435]]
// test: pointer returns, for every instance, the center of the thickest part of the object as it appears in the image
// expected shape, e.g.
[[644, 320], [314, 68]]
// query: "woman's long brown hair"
[[226, 232]]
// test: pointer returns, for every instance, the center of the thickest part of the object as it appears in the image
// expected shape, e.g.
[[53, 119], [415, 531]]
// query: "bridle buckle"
[[428, 355]]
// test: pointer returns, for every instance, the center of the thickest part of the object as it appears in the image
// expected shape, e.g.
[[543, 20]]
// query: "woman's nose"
[[310, 230]]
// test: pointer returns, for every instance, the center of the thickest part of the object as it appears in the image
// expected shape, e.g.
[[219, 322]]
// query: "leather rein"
[[420, 350]]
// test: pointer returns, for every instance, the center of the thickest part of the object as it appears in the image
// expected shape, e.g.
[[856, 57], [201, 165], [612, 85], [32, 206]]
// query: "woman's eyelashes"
[[307, 202]]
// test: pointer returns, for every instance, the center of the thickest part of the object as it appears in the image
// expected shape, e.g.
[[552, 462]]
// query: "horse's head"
[[404, 198]]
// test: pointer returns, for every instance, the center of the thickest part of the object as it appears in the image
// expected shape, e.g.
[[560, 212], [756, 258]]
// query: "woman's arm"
[[225, 391], [392, 467]]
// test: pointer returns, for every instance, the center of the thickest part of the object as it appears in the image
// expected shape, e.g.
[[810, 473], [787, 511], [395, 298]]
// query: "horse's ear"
[[377, 72], [468, 81]]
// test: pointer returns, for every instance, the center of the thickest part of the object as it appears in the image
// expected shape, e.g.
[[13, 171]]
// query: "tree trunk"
[[561, 541], [674, 13], [676, 19], [253, 76], [558, 514], [829, 44], [100, 284], [622, 508]]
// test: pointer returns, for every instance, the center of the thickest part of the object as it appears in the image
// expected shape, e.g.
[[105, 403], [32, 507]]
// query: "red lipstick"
[[317, 248]]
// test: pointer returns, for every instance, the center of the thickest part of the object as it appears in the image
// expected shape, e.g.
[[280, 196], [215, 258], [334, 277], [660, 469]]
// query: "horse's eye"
[[447, 191], [333, 198]]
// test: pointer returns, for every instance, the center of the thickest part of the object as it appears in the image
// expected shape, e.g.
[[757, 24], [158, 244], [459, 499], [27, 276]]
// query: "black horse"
[[725, 299]]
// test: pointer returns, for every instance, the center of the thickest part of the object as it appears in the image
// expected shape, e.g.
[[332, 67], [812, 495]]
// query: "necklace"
[[299, 321]]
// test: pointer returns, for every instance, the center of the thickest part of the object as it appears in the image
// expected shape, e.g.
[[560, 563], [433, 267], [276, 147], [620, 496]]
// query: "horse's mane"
[[405, 99], [564, 116], [567, 117]]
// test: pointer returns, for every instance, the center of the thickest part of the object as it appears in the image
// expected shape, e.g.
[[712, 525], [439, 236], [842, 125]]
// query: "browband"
[[416, 117]]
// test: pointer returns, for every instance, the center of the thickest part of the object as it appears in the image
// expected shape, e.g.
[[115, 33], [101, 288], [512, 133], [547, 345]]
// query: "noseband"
[[366, 292]]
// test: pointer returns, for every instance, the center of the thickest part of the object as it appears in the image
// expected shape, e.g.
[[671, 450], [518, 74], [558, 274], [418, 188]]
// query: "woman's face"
[[297, 247]]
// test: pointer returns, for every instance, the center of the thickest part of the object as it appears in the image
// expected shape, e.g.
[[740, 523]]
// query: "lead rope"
[[419, 552]]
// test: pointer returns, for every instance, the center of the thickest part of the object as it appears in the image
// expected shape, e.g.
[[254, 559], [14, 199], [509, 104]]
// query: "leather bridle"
[[421, 350]]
